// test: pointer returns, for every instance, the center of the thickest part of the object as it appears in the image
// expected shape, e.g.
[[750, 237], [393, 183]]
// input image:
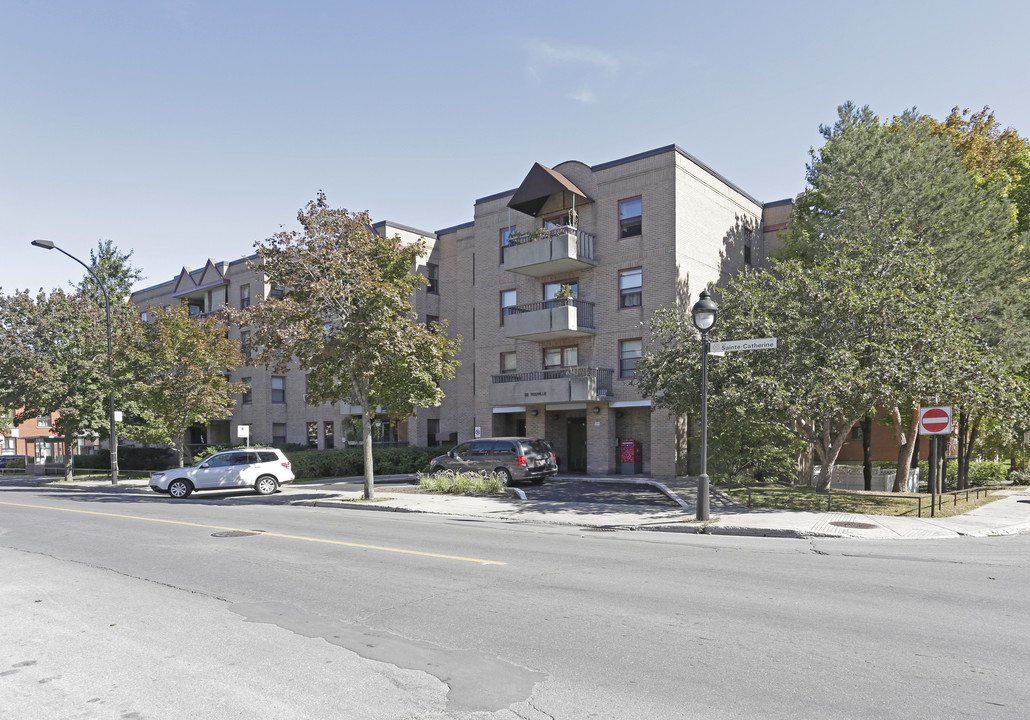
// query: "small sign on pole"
[[935, 420], [733, 345], [243, 431]]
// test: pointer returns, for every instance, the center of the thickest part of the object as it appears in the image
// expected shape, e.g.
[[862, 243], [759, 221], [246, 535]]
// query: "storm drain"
[[854, 525], [236, 533]]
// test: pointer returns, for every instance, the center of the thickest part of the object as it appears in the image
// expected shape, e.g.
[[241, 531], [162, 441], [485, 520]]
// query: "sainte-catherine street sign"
[[733, 345]]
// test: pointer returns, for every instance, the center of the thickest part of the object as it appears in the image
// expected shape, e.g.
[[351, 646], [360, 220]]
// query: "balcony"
[[572, 384], [549, 320], [549, 251]]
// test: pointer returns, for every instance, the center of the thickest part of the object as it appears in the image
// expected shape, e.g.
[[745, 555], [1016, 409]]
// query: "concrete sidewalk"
[[1009, 514]]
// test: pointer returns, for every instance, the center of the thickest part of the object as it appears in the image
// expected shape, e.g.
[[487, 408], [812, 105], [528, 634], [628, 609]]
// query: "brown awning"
[[540, 184]]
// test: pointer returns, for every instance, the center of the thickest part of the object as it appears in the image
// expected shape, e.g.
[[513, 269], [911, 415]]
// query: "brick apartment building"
[[550, 287]]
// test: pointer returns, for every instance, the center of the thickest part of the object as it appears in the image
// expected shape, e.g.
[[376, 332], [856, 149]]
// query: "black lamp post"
[[703, 316], [49, 245]]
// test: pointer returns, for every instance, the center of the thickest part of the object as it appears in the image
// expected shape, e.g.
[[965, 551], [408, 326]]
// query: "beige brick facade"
[[695, 229]]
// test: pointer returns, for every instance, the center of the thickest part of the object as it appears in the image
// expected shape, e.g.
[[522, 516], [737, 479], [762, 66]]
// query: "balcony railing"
[[548, 251], [569, 384], [549, 319]]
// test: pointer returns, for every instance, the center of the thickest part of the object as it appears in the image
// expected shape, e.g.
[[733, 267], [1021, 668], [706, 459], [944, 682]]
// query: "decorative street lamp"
[[703, 316], [49, 245]]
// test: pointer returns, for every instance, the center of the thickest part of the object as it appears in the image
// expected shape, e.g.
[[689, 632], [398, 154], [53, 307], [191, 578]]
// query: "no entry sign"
[[935, 420]]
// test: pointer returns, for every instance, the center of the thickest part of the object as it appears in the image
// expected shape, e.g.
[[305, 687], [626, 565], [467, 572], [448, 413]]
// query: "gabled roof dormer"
[[211, 276]]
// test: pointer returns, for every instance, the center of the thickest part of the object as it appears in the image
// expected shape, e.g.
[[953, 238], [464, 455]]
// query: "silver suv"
[[263, 469], [513, 458]]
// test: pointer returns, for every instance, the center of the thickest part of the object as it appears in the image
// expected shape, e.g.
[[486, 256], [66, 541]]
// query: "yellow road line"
[[270, 534]]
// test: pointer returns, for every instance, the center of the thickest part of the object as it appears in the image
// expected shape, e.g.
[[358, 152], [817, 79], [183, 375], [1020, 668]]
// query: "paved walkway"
[[672, 509]]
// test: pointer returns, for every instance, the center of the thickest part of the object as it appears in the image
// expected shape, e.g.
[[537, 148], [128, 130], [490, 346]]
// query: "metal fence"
[[918, 499]]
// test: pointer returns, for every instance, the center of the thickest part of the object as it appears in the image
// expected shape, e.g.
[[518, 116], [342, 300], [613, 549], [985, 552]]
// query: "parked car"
[[263, 469], [513, 458]]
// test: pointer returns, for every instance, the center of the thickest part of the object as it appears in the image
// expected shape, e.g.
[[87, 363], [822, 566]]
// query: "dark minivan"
[[513, 458]]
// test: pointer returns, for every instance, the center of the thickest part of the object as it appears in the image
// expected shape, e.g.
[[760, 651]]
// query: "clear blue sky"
[[183, 130]]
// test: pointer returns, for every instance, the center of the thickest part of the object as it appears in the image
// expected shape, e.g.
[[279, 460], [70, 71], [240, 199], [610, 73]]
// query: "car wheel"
[[505, 475], [438, 470], [179, 489], [266, 485]]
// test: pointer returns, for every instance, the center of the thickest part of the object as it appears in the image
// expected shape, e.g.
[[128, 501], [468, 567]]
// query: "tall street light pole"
[[703, 316], [49, 245]]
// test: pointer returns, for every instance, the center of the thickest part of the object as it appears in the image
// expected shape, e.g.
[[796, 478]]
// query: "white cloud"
[[542, 53], [584, 96]]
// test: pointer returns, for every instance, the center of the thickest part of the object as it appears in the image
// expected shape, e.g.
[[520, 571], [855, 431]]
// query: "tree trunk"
[[867, 452], [180, 451], [366, 444], [906, 447], [68, 464]]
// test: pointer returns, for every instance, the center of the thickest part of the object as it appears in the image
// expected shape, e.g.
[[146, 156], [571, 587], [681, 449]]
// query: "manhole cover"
[[854, 525], [236, 533]]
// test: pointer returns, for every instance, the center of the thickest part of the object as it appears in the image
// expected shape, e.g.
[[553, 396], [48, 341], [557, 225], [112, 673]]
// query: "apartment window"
[[143, 316], [432, 430], [279, 433], [507, 362], [307, 389], [505, 234], [245, 344], [248, 396], [856, 432], [6, 418], [508, 300], [433, 274], [312, 435], [631, 213], [276, 293], [329, 434], [244, 297], [432, 320], [747, 255], [630, 282], [9, 445], [552, 289], [630, 352], [561, 357], [43, 421], [278, 389]]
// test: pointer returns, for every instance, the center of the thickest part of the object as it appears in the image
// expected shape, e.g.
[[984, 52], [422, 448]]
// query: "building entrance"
[[576, 442]]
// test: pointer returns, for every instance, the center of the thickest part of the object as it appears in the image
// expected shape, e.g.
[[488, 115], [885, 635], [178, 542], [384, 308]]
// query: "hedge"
[[350, 462], [129, 458]]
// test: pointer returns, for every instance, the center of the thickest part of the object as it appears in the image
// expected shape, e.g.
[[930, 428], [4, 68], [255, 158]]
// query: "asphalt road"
[[132, 606]]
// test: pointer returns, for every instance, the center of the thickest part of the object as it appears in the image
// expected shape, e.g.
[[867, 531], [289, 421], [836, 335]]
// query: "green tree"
[[182, 365], [879, 183], [856, 331], [54, 359], [346, 318], [115, 270], [999, 158]]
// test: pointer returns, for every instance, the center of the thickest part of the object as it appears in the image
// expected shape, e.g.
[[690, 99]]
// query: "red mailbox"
[[630, 457]]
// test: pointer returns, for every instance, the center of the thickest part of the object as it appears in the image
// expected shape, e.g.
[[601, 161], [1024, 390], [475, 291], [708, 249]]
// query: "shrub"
[[987, 473], [1019, 476], [350, 462], [462, 483], [129, 458], [16, 463]]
